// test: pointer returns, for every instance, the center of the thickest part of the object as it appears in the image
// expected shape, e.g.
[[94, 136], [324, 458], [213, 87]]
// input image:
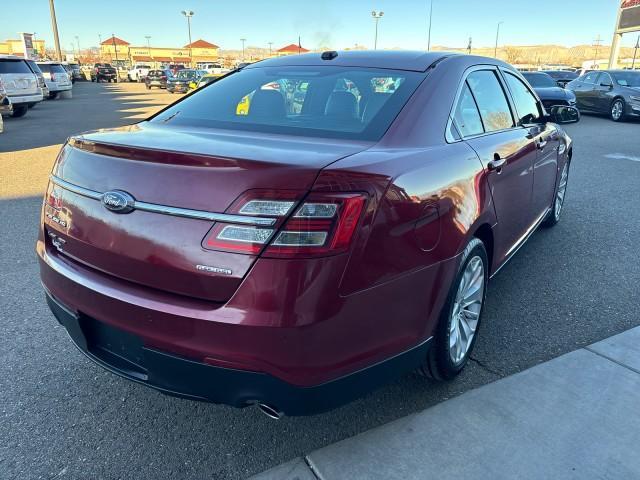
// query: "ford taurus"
[[336, 231]]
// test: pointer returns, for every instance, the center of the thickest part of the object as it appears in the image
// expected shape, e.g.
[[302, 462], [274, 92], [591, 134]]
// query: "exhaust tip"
[[270, 411]]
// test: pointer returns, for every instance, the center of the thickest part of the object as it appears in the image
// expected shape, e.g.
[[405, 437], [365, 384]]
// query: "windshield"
[[540, 80], [335, 102], [627, 79]]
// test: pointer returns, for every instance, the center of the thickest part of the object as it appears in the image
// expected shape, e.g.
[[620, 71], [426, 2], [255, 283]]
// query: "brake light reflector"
[[266, 207]]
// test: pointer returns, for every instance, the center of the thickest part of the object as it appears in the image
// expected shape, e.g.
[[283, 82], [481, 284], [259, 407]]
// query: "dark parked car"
[[157, 78], [613, 92], [296, 256], [104, 72], [549, 91], [562, 77], [181, 81]]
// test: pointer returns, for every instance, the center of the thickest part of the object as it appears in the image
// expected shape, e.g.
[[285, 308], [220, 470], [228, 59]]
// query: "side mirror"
[[562, 114]]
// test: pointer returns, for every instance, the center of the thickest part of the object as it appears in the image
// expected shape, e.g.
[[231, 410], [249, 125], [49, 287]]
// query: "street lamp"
[[148, 37], [376, 17], [78, 42], [495, 50], [635, 52], [270, 44], [243, 40], [189, 14], [430, 16]]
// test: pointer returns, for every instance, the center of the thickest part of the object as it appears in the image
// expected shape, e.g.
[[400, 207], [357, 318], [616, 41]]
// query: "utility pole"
[[54, 26], [597, 42], [430, 17], [469, 46], [495, 50], [376, 17], [243, 40], [148, 37], [635, 52], [78, 42], [270, 45]]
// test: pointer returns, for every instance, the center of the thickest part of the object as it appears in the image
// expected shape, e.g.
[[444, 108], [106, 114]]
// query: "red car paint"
[[305, 321]]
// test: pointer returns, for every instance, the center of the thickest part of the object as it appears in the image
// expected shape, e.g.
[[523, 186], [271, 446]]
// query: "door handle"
[[497, 163]]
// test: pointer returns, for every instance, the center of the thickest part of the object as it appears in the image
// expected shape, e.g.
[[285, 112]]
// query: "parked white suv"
[[139, 72], [20, 84], [56, 78], [213, 68]]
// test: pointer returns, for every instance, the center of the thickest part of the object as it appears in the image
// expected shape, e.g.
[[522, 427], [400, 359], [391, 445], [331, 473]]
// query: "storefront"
[[198, 51]]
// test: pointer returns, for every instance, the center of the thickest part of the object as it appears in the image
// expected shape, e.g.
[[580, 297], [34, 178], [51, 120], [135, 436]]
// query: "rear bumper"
[[20, 99], [125, 354]]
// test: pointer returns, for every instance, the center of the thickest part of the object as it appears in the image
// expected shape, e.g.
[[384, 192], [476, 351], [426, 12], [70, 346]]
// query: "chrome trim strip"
[[168, 210]]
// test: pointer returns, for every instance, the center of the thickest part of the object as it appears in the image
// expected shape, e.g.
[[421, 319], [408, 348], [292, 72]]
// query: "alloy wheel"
[[466, 310], [562, 190], [617, 110]]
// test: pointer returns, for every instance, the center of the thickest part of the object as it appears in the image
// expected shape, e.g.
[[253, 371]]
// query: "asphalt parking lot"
[[63, 417]]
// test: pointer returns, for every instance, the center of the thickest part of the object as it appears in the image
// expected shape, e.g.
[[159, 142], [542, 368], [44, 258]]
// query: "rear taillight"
[[53, 77], [324, 224]]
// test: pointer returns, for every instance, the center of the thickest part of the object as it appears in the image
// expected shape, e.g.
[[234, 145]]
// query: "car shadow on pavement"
[[92, 106]]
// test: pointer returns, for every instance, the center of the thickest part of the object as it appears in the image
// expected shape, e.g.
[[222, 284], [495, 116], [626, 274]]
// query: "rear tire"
[[19, 111], [460, 317], [616, 113], [558, 201], [53, 95]]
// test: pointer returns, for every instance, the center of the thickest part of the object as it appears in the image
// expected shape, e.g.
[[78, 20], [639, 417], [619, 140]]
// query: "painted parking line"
[[622, 156]]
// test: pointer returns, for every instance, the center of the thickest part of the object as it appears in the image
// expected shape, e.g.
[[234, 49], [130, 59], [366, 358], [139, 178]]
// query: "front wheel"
[[617, 110], [460, 317], [558, 202]]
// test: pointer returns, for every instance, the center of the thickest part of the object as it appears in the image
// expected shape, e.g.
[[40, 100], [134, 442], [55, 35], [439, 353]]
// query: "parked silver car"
[[56, 78], [20, 84]]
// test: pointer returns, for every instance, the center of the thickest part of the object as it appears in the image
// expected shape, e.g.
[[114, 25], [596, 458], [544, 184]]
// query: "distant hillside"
[[545, 54]]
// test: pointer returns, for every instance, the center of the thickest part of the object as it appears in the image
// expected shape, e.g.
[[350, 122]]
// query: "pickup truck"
[[213, 68], [139, 72], [104, 71]]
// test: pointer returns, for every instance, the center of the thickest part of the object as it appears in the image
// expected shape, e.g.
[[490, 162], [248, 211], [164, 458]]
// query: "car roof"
[[417, 61]]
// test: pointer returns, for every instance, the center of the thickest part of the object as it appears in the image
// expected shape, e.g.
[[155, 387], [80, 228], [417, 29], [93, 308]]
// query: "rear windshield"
[[335, 102], [55, 68], [14, 66], [103, 65], [540, 80], [156, 72]]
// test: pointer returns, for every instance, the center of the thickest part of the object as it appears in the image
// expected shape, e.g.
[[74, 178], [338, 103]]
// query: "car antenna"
[[329, 55]]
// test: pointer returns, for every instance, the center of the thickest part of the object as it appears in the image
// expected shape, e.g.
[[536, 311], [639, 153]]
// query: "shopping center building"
[[115, 49]]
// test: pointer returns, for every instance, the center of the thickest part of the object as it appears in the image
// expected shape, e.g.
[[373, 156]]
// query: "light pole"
[[635, 52], [54, 26], [495, 50], [78, 42], [376, 17], [270, 45], [148, 37], [189, 14], [430, 17], [243, 40], [469, 46]]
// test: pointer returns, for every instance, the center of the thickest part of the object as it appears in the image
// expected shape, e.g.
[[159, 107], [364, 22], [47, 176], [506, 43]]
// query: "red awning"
[[142, 58], [182, 60], [162, 59]]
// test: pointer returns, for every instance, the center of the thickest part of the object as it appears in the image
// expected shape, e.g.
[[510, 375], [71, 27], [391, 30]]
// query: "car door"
[[586, 90], [602, 93], [530, 117], [485, 121]]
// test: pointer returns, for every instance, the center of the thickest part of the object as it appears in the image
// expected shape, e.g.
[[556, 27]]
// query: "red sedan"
[[297, 247]]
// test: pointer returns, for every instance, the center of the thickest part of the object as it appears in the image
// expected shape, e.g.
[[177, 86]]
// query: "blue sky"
[[334, 23]]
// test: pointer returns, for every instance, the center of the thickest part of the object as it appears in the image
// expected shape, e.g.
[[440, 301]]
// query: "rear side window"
[[491, 100], [45, 67], [335, 102], [526, 103], [58, 69], [14, 66], [466, 115]]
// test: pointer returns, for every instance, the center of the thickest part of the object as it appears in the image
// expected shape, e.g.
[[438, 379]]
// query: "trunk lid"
[[196, 169]]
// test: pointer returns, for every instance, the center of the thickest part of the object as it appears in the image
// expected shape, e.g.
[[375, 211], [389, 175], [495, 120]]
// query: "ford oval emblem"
[[118, 201]]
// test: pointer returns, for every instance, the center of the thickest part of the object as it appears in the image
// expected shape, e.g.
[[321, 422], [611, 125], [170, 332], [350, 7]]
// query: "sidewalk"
[[576, 416]]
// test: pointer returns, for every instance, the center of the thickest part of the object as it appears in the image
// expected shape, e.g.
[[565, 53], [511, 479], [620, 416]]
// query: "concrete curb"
[[576, 416]]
